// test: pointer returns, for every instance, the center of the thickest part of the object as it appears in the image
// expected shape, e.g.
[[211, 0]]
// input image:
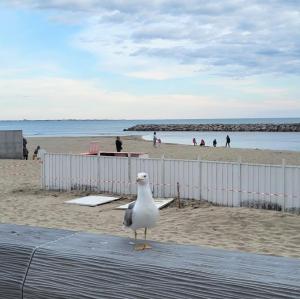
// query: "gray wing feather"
[[128, 215]]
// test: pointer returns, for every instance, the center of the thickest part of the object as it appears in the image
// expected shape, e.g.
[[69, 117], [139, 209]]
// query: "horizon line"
[[133, 119]]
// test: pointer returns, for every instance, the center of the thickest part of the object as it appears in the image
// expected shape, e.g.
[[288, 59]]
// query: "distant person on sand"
[[35, 153], [202, 143], [118, 144], [215, 142], [159, 141], [227, 141], [25, 150], [154, 139], [194, 141], [24, 142], [25, 153]]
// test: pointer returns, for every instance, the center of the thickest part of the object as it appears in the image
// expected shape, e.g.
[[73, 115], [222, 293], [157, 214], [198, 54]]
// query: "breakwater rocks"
[[219, 127]]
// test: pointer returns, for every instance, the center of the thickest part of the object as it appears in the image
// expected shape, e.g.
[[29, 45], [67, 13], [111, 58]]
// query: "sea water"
[[255, 140], [260, 140]]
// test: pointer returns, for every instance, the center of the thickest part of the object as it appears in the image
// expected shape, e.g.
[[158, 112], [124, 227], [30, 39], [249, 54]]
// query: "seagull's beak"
[[138, 179]]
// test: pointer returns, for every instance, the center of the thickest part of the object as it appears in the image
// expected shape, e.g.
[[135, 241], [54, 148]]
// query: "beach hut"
[[11, 144]]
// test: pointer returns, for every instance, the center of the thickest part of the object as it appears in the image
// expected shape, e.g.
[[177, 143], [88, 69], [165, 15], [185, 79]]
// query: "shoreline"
[[237, 148], [274, 141]]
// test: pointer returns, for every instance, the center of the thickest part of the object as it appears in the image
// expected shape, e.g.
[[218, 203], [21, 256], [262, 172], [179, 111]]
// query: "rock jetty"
[[219, 127]]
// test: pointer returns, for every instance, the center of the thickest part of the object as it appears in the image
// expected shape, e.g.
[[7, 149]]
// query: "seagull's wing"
[[128, 215]]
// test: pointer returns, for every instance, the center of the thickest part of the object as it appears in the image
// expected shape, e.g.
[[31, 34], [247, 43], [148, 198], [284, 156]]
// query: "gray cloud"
[[233, 37]]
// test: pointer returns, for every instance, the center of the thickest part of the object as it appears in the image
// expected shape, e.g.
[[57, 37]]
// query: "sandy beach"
[[260, 231], [78, 145]]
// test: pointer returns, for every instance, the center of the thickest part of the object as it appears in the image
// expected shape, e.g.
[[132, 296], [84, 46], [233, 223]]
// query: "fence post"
[[283, 185], [98, 173], [240, 180], [200, 178], [42, 181], [129, 173], [162, 159], [178, 196], [47, 179], [70, 173]]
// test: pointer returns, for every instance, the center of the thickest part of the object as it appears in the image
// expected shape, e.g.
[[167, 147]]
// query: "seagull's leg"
[[137, 246], [146, 245]]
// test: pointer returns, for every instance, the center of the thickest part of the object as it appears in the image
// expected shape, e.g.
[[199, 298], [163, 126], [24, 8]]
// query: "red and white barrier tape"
[[202, 189]]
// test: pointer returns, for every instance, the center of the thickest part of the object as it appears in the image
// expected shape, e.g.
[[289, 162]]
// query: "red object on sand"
[[93, 149]]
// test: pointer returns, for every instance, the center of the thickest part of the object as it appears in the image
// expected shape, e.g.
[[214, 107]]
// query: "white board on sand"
[[92, 201], [159, 202]]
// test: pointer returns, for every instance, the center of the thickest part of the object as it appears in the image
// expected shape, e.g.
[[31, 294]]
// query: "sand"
[[81, 144], [258, 231]]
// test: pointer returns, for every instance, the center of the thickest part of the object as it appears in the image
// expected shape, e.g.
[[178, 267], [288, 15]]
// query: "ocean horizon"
[[201, 120], [106, 127]]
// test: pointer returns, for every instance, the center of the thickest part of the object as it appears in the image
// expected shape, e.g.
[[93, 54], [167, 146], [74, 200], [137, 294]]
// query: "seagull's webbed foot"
[[139, 247], [142, 246], [147, 246]]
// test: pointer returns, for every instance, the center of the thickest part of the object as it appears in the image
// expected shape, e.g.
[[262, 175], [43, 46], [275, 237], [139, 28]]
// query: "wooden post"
[[178, 196]]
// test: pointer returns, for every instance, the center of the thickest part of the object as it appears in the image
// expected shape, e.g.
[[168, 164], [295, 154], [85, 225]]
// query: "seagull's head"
[[142, 178]]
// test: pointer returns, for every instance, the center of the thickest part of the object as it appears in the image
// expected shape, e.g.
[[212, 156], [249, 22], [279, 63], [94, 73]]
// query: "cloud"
[[233, 38], [56, 98]]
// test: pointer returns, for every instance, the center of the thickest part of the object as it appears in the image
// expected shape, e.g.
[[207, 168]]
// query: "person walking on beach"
[[154, 139], [215, 143], [202, 143], [227, 141], [118, 144], [194, 141]]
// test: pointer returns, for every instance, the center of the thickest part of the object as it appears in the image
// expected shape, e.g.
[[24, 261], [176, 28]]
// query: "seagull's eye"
[[145, 176]]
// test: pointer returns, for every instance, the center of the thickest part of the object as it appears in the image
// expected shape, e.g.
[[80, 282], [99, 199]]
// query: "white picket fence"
[[223, 183]]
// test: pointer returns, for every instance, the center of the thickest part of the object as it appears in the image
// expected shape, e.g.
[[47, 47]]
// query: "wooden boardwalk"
[[44, 263]]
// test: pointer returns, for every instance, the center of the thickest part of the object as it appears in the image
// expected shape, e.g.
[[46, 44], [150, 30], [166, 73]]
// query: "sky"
[[141, 59]]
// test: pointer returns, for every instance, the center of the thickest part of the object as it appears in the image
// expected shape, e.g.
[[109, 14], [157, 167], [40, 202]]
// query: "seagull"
[[143, 213]]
